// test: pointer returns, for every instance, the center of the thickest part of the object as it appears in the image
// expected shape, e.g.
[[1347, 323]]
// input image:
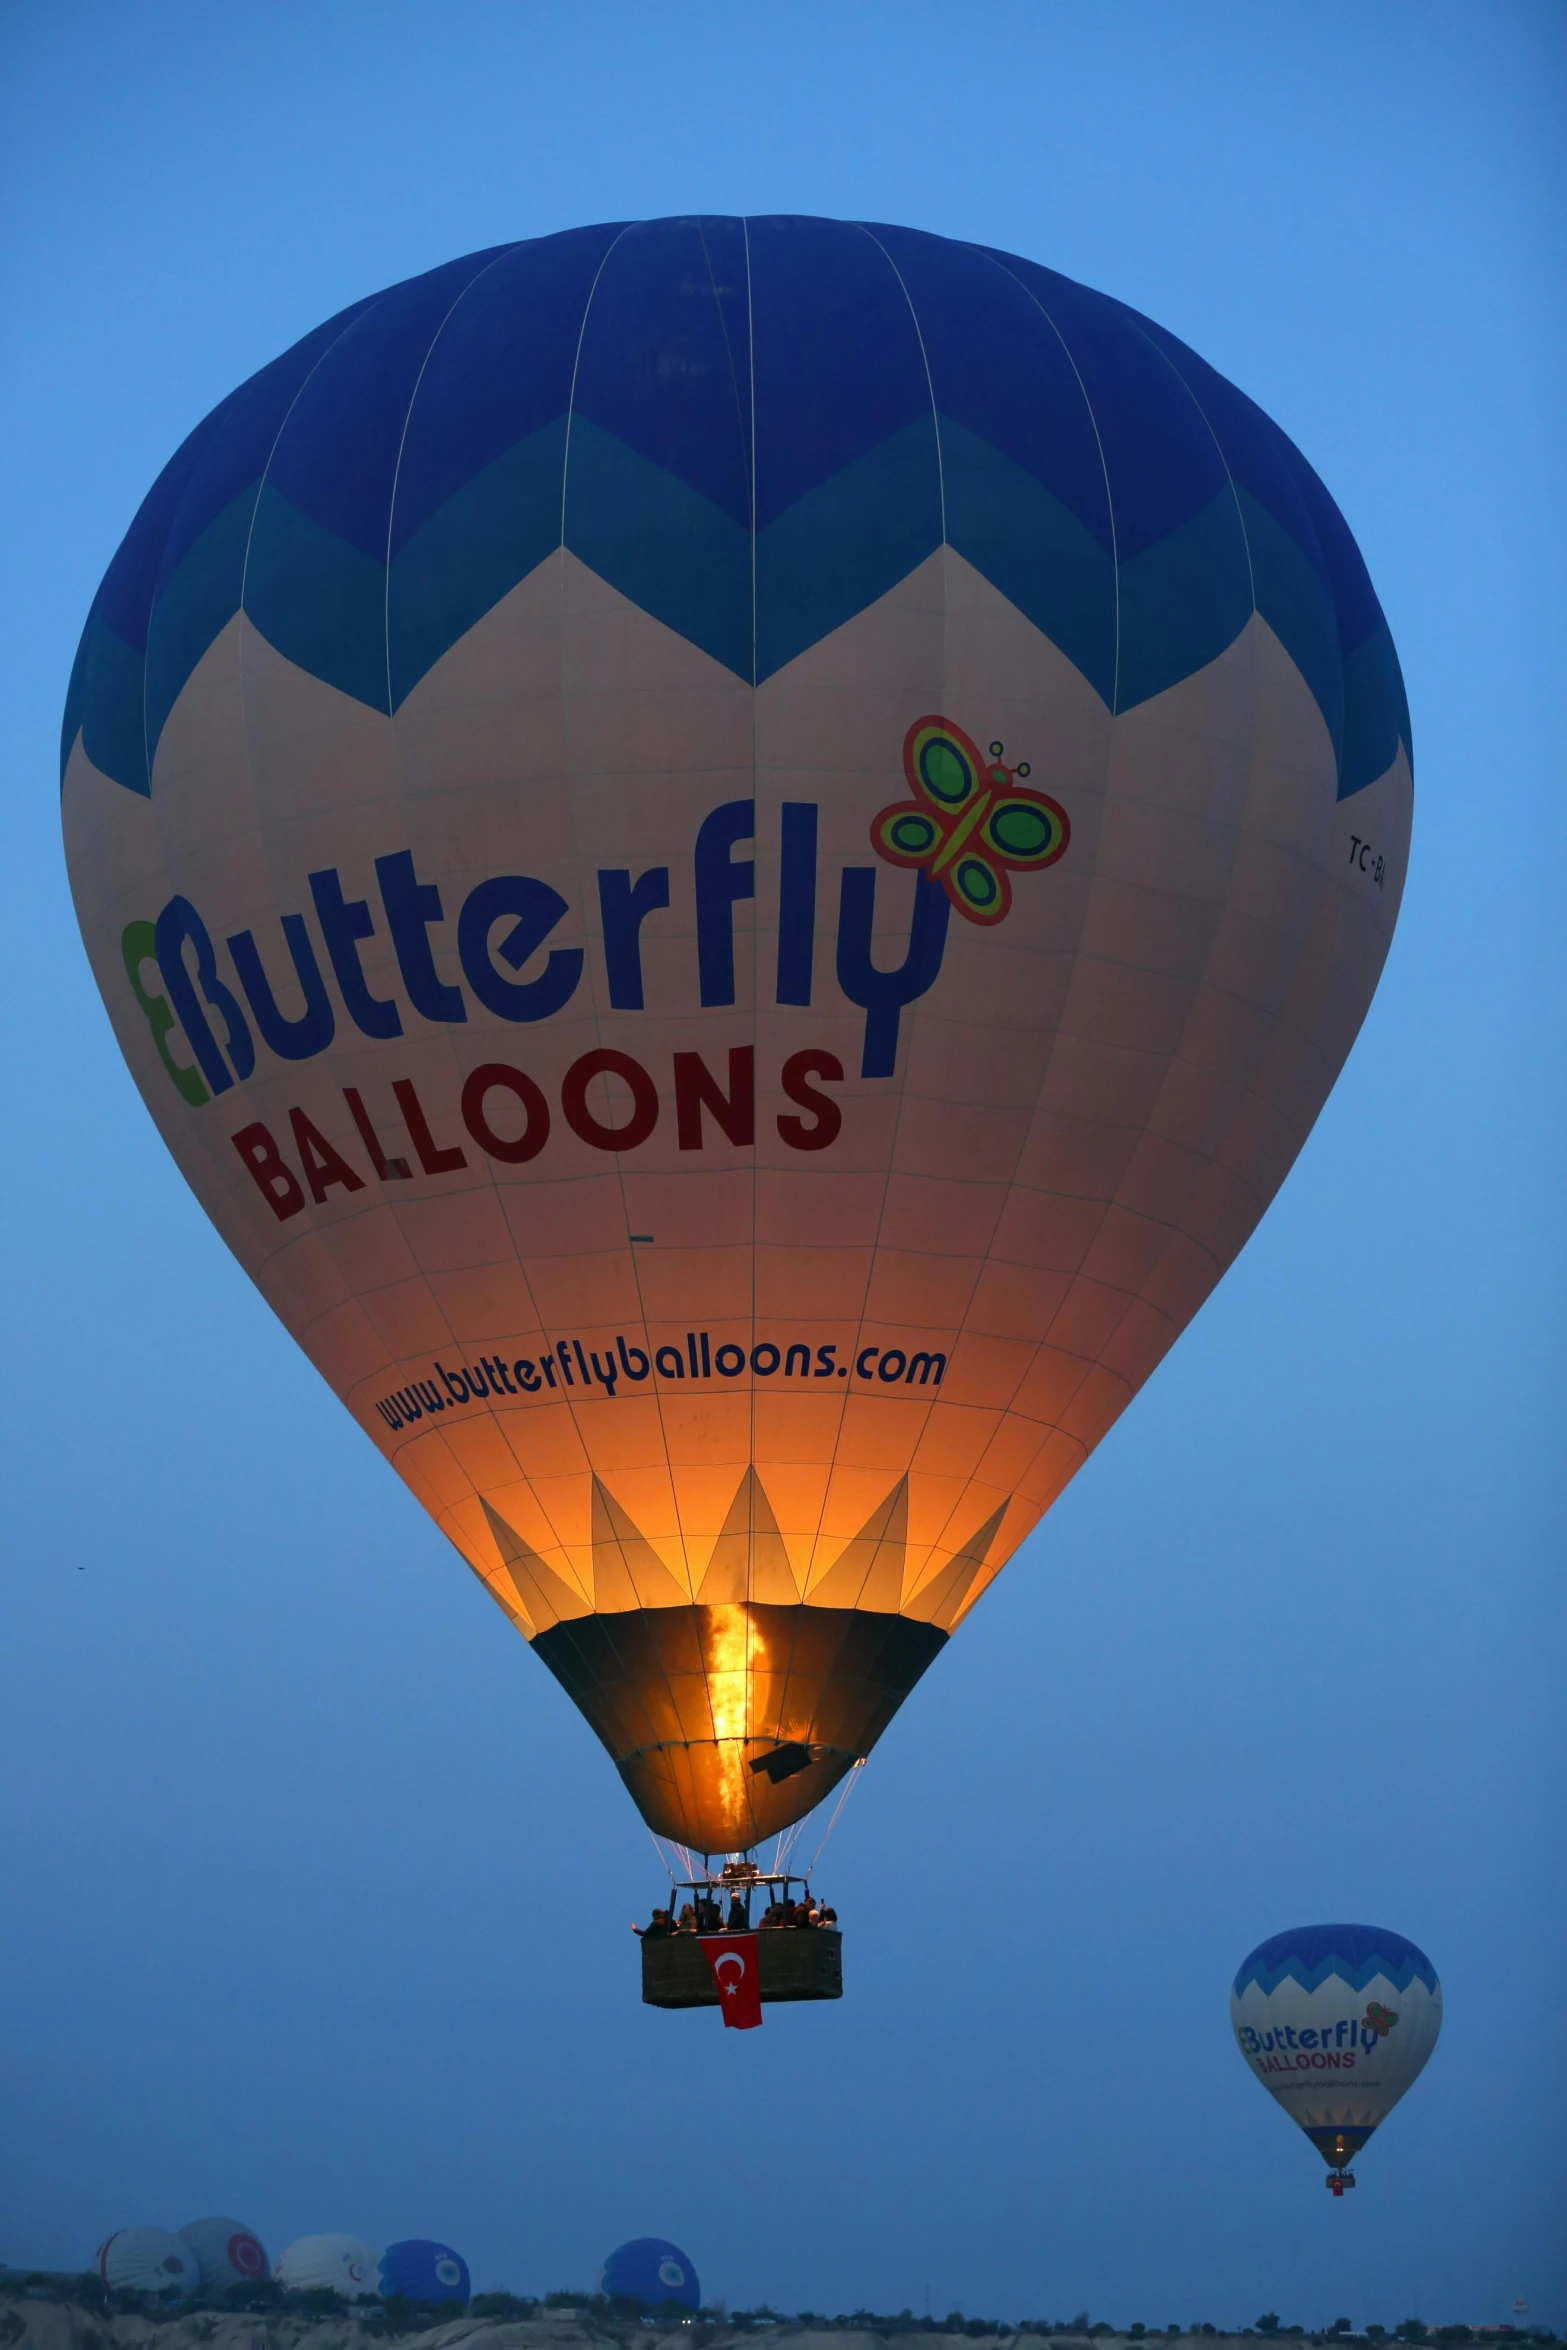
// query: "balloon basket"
[[1338, 2180], [792, 1962]]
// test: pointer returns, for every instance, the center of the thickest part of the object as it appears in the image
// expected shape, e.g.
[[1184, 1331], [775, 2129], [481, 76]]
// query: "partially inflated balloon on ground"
[[735, 857], [227, 2253], [650, 2271], [338, 2264], [1336, 2022], [148, 2260], [418, 2270]]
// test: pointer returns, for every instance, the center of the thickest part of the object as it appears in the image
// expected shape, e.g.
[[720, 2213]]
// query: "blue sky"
[[316, 1887]]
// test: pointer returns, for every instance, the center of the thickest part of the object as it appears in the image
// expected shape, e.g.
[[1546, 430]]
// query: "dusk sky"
[[316, 1885]]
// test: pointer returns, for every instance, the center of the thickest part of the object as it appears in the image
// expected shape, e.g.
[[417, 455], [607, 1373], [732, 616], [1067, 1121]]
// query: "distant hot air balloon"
[[337, 2264], [227, 2253], [148, 2260], [418, 2270], [1336, 2022], [650, 2272], [735, 856]]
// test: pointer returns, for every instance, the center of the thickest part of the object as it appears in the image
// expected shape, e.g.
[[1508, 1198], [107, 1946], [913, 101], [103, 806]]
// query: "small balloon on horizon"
[[418, 2269], [227, 2253], [650, 2271], [330, 2263], [148, 2260]]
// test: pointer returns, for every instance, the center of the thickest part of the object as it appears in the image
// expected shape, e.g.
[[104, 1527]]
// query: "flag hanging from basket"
[[733, 1959]]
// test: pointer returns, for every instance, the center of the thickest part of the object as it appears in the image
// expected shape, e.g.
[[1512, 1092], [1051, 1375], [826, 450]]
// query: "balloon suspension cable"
[[663, 1857], [788, 1838], [848, 1790]]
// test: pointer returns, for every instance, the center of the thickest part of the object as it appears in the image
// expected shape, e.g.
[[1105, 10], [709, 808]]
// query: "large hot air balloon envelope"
[[1336, 2022], [148, 2260], [735, 856], [419, 2270], [227, 2253], [650, 2272]]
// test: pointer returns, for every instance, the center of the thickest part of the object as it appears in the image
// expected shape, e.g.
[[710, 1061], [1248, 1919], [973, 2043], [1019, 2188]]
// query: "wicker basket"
[[793, 1962]]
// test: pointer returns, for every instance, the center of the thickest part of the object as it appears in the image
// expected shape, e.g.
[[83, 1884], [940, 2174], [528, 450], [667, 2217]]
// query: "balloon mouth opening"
[[730, 1722], [1339, 2147]]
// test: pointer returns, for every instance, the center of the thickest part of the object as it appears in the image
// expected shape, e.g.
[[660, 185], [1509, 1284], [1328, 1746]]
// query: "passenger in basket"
[[737, 1922], [708, 1920], [686, 1922], [657, 1926], [829, 1917], [773, 1915]]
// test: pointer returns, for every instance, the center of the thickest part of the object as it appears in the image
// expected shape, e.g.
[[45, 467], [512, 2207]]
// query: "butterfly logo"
[[1380, 2019], [971, 822]]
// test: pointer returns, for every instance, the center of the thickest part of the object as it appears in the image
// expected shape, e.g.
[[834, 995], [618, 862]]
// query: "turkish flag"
[[733, 1960]]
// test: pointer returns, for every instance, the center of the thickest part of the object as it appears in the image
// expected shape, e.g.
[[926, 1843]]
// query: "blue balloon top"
[[420, 2270], [1308, 1955], [752, 429], [650, 2271]]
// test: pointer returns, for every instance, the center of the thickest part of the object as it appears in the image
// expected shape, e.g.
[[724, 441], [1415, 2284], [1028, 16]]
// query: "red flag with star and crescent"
[[733, 1960]]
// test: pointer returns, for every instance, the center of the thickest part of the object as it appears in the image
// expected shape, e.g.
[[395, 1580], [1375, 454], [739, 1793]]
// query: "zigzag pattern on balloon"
[[1356, 1955], [834, 419], [621, 1571]]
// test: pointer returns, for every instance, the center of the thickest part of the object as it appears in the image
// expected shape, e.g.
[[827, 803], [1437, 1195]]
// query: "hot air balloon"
[[148, 2260], [1336, 2022], [227, 2253], [417, 2270], [650, 2272], [735, 855], [334, 2264]]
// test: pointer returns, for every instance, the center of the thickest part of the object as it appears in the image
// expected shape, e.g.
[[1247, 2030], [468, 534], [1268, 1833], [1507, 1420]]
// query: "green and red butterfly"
[[971, 822]]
